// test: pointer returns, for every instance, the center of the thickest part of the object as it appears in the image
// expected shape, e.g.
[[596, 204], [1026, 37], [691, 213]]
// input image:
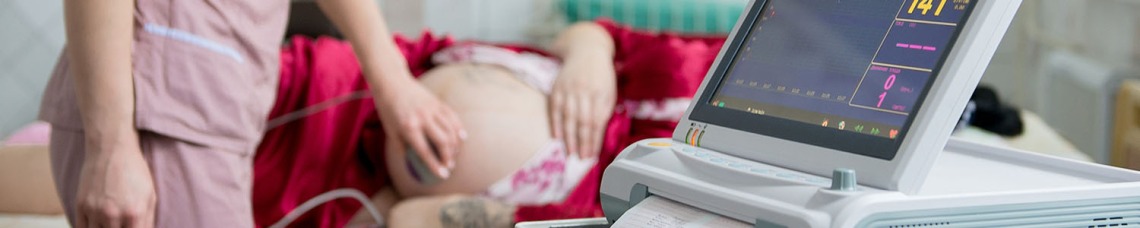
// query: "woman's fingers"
[[134, 215], [596, 136], [579, 121], [599, 117], [555, 107], [445, 138], [92, 215], [414, 135], [416, 118], [81, 220], [456, 123], [570, 124], [97, 218], [113, 219], [579, 113], [585, 128]]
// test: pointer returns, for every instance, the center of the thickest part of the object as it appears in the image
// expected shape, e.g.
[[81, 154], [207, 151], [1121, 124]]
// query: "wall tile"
[[15, 33], [17, 103], [33, 66], [25, 83], [32, 36], [54, 32], [37, 12]]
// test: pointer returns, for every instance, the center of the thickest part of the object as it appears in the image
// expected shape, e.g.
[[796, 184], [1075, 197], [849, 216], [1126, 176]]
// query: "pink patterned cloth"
[[548, 177], [534, 69]]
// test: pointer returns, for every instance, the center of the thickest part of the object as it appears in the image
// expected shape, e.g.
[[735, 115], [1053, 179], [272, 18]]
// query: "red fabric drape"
[[339, 147]]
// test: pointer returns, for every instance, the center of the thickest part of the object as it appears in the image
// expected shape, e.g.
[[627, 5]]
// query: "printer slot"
[[741, 170], [728, 201]]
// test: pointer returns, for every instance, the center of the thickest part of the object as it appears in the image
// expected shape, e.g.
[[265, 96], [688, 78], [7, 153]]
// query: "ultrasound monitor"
[[825, 84], [807, 87]]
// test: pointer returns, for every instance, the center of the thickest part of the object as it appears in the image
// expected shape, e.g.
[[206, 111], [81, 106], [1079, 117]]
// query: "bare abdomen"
[[506, 120]]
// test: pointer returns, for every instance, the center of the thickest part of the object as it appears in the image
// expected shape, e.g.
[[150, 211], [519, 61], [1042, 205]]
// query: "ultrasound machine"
[[838, 113]]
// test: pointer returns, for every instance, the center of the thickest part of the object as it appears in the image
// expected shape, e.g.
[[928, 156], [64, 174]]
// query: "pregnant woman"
[[534, 123]]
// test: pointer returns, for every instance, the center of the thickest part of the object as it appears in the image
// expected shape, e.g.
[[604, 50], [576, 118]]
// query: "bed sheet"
[[1038, 137]]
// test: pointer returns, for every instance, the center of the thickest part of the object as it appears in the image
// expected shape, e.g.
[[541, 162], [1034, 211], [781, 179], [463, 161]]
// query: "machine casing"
[[970, 185], [773, 182]]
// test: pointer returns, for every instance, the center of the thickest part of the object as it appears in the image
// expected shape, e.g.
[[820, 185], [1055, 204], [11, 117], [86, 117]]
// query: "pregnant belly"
[[506, 122]]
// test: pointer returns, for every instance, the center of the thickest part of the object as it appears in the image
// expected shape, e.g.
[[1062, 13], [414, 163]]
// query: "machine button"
[[699, 137], [843, 180], [688, 138], [760, 170]]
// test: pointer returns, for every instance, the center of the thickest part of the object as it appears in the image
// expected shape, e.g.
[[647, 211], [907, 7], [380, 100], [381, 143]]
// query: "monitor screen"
[[847, 74]]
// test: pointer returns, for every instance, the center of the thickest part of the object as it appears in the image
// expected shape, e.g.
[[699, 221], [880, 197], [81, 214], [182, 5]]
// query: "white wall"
[[1105, 31], [31, 36], [1059, 60], [404, 16], [500, 21]]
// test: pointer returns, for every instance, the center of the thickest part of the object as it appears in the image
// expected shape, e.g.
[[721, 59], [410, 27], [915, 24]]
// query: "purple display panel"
[[912, 44], [944, 11], [860, 66], [890, 89]]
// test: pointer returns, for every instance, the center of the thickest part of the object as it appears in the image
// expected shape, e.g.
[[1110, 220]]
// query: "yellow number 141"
[[925, 6]]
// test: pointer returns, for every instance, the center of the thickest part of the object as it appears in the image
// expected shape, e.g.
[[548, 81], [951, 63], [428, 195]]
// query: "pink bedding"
[[37, 133], [317, 153]]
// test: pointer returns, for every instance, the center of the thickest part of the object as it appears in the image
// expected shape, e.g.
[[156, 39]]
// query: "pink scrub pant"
[[197, 186]]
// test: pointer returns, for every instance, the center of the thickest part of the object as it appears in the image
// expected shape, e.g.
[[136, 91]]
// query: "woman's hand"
[[413, 116], [585, 93], [581, 103], [116, 188]]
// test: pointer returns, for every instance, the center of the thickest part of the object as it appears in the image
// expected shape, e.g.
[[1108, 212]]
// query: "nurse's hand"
[[116, 188], [414, 116]]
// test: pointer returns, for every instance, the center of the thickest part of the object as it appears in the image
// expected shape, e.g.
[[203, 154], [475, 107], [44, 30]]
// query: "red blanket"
[[337, 144]]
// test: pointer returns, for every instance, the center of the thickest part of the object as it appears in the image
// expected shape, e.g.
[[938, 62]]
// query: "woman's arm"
[[115, 188], [585, 92], [412, 115]]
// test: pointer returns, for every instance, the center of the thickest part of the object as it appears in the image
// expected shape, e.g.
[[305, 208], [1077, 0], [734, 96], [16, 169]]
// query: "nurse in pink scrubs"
[[158, 105]]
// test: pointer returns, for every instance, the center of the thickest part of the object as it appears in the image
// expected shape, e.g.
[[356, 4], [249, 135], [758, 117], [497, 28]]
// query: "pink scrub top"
[[205, 71]]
